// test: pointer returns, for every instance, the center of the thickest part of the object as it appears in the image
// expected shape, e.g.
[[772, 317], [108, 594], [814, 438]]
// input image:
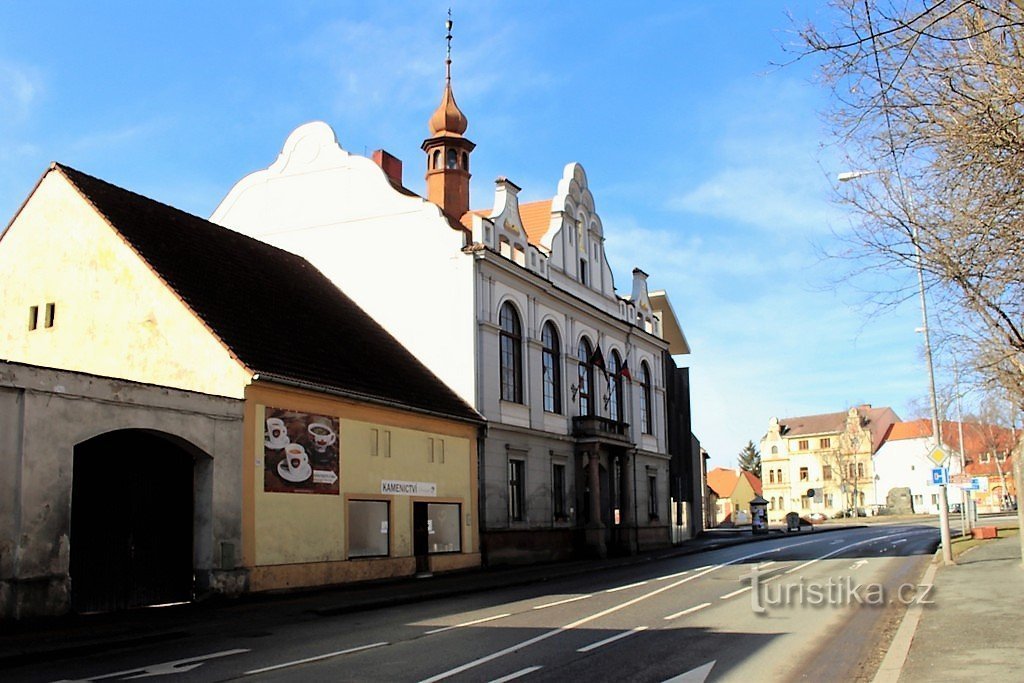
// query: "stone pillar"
[[595, 529]]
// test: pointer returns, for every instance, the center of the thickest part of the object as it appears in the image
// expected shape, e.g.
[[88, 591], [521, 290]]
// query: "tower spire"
[[447, 149]]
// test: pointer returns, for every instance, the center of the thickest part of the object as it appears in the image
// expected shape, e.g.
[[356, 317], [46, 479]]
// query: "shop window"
[[443, 527], [369, 530]]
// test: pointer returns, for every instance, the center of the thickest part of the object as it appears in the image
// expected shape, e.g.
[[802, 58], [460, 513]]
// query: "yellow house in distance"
[[348, 459], [822, 463]]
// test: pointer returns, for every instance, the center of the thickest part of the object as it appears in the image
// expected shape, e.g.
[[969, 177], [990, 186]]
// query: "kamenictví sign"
[[408, 488]]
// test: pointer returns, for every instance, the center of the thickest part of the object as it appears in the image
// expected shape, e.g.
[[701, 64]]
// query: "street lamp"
[[947, 551]]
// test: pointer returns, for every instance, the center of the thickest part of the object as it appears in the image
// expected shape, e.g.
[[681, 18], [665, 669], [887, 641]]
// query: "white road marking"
[[691, 610], [858, 563], [735, 593], [468, 623], [562, 602], [611, 610], [698, 675], [845, 547], [176, 667], [518, 674], [766, 564], [606, 641], [899, 540], [315, 659], [836, 542], [672, 576], [622, 588]]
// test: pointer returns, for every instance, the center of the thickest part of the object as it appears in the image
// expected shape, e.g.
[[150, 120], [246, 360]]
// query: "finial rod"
[[448, 59]]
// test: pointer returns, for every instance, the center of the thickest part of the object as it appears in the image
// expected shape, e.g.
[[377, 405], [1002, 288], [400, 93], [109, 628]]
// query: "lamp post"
[[947, 551]]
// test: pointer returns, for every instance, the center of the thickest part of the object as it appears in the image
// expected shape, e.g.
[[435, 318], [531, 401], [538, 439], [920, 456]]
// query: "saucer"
[[303, 474], [277, 444]]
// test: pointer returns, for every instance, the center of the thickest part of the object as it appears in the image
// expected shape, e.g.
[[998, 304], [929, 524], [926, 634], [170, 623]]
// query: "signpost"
[[938, 456], [940, 476]]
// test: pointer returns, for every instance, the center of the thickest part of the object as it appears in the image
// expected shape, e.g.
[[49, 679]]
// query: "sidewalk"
[[972, 631], [26, 642]]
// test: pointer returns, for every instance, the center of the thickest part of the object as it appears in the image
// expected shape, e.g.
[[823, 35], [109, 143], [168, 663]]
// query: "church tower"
[[447, 150]]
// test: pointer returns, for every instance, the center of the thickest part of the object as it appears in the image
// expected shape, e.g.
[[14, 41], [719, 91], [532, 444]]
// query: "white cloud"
[[20, 89]]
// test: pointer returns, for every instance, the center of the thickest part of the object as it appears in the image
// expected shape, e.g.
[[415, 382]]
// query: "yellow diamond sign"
[[937, 455]]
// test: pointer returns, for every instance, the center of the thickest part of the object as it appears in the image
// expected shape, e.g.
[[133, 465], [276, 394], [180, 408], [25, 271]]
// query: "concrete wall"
[[44, 413]]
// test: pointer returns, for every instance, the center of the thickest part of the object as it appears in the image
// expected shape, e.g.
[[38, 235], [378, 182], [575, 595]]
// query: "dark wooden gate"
[[131, 522]]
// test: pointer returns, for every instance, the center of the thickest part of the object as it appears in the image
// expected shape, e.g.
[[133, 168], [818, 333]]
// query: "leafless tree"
[[928, 97]]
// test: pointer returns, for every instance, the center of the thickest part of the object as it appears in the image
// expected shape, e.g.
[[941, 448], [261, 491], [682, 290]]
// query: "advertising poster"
[[300, 452]]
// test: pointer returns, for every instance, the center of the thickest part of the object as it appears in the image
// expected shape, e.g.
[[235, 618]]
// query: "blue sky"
[[711, 167]]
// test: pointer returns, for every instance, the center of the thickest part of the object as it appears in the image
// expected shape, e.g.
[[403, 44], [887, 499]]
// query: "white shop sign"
[[408, 488]]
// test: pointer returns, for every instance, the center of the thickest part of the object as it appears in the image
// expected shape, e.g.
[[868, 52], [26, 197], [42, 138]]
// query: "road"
[[820, 607]]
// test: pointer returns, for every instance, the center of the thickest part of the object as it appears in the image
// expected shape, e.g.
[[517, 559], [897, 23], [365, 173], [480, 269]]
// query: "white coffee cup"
[[323, 435], [295, 458], [276, 430]]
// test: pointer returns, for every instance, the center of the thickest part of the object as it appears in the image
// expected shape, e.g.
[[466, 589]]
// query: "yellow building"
[[353, 462], [822, 463]]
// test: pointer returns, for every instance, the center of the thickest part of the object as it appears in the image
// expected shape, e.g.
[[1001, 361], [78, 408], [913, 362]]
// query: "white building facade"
[[516, 310]]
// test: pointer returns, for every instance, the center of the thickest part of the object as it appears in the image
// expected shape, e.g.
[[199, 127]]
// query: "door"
[[131, 522], [420, 537]]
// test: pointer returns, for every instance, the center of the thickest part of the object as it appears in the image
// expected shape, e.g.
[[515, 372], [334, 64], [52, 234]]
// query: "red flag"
[[624, 371]]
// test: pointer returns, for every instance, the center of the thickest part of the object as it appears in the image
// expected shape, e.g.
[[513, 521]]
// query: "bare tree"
[[928, 96]]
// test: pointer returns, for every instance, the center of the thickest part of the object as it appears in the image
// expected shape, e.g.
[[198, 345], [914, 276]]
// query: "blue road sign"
[[940, 475]]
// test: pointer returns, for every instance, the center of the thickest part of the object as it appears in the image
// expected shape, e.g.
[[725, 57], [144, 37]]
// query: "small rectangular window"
[[826, 472], [374, 442], [33, 317], [804, 475], [803, 444], [583, 271], [558, 492], [824, 443], [51, 311], [652, 496], [516, 489]]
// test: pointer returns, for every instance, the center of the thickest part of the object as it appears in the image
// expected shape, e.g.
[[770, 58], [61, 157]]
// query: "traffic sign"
[[938, 456], [940, 475], [960, 478]]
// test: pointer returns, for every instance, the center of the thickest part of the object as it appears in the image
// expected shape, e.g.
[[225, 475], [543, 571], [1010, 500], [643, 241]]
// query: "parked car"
[[954, 507], [816, 517]]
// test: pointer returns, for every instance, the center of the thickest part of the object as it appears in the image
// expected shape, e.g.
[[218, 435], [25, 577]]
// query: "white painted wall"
[[904, 463]]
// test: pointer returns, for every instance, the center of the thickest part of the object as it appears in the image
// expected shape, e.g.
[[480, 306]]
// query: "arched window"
[[452, 158], [586, 377], [646, 423], [775, 450], [465, 161], [436, 159], [615, 398], [551, 364], [511, 354]]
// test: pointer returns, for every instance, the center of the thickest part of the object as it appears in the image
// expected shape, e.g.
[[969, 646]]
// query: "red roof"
[[723, 481], [979, 439]]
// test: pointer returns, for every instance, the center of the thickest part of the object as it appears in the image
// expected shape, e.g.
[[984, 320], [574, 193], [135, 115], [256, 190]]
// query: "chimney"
[[391, 165]]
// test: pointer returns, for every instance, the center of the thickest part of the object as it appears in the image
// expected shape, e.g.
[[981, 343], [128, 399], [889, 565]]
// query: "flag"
[[624, 370], [597, 358]]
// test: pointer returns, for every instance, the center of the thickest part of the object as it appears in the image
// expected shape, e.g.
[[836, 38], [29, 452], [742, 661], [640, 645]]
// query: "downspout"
[[636, 518]]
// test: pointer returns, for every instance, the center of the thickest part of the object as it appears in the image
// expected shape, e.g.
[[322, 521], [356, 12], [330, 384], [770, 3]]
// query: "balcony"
[[595, 428]]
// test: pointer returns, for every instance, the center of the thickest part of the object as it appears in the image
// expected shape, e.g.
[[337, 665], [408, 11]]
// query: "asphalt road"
[[820, 608]]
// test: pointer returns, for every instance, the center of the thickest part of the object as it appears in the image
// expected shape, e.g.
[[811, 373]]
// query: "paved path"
[[972, 631]]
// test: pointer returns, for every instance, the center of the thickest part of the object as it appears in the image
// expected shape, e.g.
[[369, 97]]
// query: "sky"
[[703, 141]]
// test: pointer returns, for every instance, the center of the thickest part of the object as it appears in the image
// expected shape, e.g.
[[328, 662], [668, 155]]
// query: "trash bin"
[[758, 516], [792, 521]]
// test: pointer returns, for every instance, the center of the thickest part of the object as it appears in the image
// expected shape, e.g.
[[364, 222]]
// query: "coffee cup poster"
[[300, 452]]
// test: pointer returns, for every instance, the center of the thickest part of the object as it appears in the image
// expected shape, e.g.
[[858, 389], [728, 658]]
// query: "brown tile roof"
[[722, 481], [278, 314], [536, 219], [978, 439], [877, 420]]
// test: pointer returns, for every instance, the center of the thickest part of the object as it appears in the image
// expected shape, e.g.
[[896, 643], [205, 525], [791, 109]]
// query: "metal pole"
[[947, 550], [965, 517]]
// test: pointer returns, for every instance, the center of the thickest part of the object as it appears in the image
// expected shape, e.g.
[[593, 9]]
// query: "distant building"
[[588, 444], [902, 462], [822, 463], [733, 490]]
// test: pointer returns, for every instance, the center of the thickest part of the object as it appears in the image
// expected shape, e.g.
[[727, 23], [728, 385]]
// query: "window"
[[826, 472], [805, 503], [828, 500], [803, 445], [984, 458], [586, 377], [652, 495], [825, 443], [551, 366], [583, 271], [558, 492], [51, 312], [443, 528], [615, 387], [33, 317], [465, 161], [646, 424], [451, 159], [771, 476], [1001, 457], [778, 476], [804, 474], [775, 450], [853, 471], [511, 360], [860, 470], [436, 162], [516, 469], [368, 528]]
